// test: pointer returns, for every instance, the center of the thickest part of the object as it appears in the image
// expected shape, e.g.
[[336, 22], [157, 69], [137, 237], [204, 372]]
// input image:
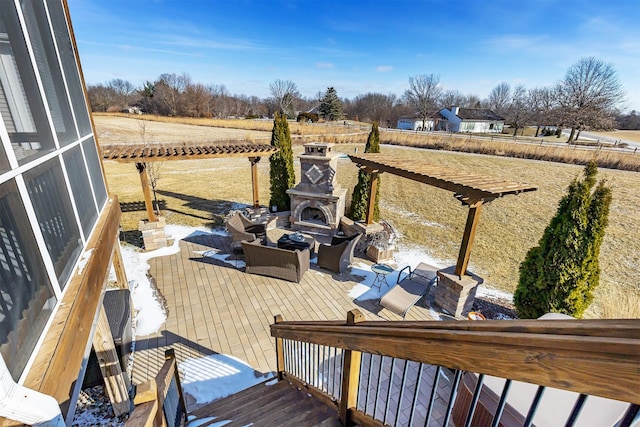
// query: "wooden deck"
[[214, 307]]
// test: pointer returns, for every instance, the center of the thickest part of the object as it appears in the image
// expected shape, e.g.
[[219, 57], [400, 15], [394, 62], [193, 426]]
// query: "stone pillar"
[[455, 295], [153, 234]]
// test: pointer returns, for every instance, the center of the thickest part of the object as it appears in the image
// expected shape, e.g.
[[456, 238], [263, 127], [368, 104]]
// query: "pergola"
[[141, 154], [471, 189]]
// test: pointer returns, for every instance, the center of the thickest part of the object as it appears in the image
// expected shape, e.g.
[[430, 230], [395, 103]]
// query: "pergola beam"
[[141, 154], [471, 189]]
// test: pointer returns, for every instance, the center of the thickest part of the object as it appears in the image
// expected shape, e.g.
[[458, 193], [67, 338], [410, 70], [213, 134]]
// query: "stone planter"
[[376, 254]]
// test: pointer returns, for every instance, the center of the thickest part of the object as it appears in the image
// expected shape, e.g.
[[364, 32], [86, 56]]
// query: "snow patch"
[[84, 260], [216, 376]]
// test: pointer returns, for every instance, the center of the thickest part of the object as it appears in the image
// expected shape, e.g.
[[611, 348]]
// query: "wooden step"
[[269, 404]]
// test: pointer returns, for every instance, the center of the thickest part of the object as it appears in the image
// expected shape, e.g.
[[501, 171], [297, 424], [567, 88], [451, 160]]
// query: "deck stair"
[[269, 404]]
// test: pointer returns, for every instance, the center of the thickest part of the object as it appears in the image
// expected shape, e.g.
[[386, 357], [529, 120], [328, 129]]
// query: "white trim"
[[38, 161], [26, 405]]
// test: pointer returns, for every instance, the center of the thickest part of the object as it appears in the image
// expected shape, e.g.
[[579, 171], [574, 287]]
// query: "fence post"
[[279, 350], [350, 372]]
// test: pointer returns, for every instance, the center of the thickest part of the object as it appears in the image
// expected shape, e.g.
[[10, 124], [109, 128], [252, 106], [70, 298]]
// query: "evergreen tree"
[[360, 196], [330, 106], [281, 174], [561, 273]]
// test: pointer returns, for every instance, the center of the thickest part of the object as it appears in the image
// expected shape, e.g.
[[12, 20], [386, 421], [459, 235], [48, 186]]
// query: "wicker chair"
[[339, 255], [242, 228]]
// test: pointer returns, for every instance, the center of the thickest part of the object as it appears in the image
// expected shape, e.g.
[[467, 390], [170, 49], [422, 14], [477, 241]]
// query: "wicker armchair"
[[242, 228], [339, 255]]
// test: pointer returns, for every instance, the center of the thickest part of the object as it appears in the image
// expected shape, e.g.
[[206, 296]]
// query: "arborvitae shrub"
[[560, 274], [281, 174], [360, 196]]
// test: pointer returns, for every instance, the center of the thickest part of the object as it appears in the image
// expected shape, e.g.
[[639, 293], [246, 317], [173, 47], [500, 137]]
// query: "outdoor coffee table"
[[293, 241], [382, 271]]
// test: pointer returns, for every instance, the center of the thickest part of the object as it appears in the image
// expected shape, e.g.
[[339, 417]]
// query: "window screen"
[[21, 105], [26, 296], [81, 189], [49, 69], [51, 202]]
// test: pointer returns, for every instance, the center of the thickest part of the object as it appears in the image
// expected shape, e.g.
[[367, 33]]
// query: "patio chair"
[[242, 228], [409, 289], [339, 255]]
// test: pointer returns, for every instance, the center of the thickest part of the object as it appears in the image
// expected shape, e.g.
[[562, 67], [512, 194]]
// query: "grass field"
[[201, 192]]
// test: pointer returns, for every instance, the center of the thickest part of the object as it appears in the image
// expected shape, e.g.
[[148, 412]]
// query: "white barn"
[[415, 122], [475, 120]]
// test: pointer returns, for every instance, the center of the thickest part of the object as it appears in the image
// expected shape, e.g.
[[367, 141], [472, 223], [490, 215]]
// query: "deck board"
[[214, 307]]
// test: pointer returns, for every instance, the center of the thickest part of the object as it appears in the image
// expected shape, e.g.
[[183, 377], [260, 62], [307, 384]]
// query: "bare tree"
[[589, 94], [543, 103], [424, 94], [123, 91], [169, 90], [373, 107], [500, 98], [519, 111], [284, 92], [101, 97]]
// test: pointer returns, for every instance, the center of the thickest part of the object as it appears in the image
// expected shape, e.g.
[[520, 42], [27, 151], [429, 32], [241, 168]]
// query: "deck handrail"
[[160, 401], [595, 357]]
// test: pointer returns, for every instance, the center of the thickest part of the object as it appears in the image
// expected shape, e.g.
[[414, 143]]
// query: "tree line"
[[587, 98]]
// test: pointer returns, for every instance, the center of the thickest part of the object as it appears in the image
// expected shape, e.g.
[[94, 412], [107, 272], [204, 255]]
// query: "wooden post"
[[118, 267], [116, 381], [279, 350], [350, 372], [467, 238], [144, 180], [372, 197], [254, 180], [168, 355]]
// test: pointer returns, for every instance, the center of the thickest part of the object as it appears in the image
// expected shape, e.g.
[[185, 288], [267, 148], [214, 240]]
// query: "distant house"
[[476, 120], [414, 122]]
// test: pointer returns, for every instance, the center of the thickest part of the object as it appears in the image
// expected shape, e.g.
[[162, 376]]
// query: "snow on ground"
[[216, 376], [406, 255], [150, 313]]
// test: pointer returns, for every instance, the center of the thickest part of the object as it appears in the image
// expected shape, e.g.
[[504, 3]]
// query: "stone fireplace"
[[317, 202]]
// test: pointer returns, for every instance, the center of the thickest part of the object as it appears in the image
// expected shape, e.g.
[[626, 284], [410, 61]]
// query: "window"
[[26, 296], [51, 202], [70, 69], [21, 105], [95, 171], [81, 189], [49, 70]]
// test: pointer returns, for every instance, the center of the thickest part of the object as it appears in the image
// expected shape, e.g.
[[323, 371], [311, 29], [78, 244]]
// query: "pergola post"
[[144, 180], [470, 229], [254, 180], [372, 196]]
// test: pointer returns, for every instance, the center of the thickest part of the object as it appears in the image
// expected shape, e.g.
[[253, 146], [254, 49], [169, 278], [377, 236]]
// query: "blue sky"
[[356, 46]]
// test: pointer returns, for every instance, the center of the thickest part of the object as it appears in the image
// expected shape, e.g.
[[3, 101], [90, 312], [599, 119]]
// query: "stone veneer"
[[153, 234], [455, 295]]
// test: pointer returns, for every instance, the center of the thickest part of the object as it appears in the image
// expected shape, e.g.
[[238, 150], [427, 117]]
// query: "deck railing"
[[160, 402], [462, 373]]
